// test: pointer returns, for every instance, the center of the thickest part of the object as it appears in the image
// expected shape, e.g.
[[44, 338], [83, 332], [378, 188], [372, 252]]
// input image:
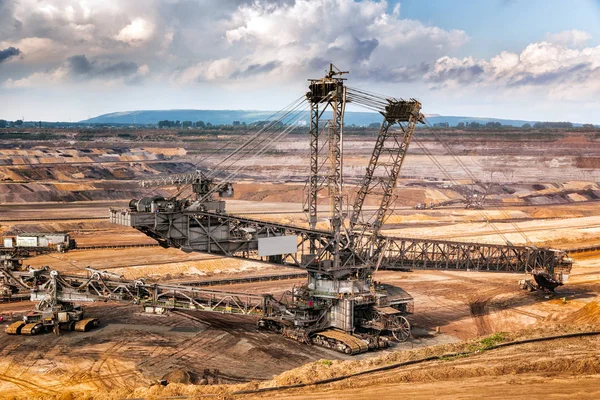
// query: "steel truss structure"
[[340, 300], [50, 288], [387, 157], [326, 93], [405, 254], [235, 236]]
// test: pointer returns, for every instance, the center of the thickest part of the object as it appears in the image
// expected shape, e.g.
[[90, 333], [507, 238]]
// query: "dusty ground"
[[132, 350], [540, 192], [532, 371]]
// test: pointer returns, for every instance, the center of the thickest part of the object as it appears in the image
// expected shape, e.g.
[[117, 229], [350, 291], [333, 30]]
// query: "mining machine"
[[340, 306], [199, 221], [54, 311]]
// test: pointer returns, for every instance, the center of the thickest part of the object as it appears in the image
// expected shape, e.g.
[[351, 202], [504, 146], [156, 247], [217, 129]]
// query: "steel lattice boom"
[[236, 236]]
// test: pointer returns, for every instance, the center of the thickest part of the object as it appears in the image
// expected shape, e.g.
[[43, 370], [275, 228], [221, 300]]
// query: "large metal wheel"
[[373, 320], [400, 328]]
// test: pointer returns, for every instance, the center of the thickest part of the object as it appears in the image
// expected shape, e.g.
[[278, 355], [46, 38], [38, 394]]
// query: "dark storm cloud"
[[122, 68], [8, 53], [80, 67]]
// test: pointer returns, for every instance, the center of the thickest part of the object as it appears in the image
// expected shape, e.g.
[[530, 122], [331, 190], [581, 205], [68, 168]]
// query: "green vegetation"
[[452, 358], [483, 344], [491, 341]]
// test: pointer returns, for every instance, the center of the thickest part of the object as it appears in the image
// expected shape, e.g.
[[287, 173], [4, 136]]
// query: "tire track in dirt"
[[93, 373], [183, 345], [8, 351], [44, 349], [96, 367], [27, 385]]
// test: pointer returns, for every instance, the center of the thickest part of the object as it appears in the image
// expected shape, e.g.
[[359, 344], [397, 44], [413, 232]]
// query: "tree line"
[[498, 125], [6, 124], [198, 124]]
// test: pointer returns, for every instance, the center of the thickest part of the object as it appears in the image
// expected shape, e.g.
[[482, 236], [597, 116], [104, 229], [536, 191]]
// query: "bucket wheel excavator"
[[340, 306]]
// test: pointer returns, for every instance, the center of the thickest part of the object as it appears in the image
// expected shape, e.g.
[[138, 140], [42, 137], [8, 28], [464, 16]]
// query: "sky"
[[69, 60]]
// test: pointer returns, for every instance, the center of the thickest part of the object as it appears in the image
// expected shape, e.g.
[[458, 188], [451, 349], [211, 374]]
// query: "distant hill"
[[215, 117], [221, 117]]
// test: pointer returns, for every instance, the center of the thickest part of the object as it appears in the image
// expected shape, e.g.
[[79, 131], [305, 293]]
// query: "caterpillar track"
[[86, 324], [15, 328], [32, 329], [340, 341]]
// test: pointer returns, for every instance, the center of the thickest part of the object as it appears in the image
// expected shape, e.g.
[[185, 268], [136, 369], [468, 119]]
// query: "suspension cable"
[[291, 111], [291, 126], [272, 123], [470, 174]]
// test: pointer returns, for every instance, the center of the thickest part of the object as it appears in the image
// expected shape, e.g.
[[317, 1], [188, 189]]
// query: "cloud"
[[36, 50], [9, 25], [555, 76], [453, 71], [8, 53], [256, 69], [352, 47], [304, 35], [80, 66], [573, 37], [402, 73], [190, 41], [80, 69], [207, 71], [240, 42], [136, 33], [559, 71]]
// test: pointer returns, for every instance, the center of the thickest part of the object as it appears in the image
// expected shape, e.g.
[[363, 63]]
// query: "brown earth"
[[131, 351], [540, 192]]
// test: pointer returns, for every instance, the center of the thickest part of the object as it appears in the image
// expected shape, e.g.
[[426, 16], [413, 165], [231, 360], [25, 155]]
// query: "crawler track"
[[340, 341]]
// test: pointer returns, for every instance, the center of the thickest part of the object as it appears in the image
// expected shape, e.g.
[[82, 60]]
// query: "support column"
[[314, 165], [335, 137]]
